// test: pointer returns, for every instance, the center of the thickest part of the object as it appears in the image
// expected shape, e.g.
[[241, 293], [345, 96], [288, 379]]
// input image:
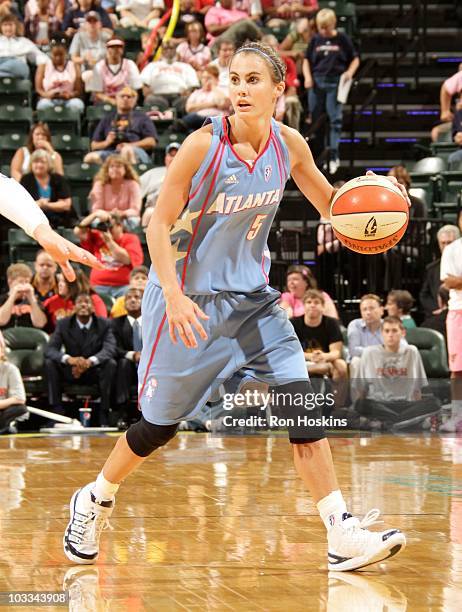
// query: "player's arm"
[[182, 312], [309, 179]]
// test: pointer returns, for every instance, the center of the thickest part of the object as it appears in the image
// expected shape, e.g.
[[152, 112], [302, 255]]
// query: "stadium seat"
[[131, 36], [61, 120], [95, 113], [15, 119], [9, 144], [21, 247], [68, 233], [71, 147], [162, 142], [432, 349], [108, 301], [80, 178], [16, 91], [427, 167], [25, 348], [142, 168]]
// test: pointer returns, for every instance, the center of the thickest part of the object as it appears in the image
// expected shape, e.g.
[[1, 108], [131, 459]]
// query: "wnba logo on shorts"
[[332, 520], [371, 227], [151, 387], [268, 172]]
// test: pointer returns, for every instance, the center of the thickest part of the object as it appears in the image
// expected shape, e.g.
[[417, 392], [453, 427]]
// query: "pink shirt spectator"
[[220, 16], [298, 309], [63, 80], [201, 54], [309, 4], [127, 198], [453, 85]]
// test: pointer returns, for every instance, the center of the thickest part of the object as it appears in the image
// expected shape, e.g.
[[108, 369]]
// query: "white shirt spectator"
[[223, 77], [21, 48], [174, 78], [451, 263], [139, 8]]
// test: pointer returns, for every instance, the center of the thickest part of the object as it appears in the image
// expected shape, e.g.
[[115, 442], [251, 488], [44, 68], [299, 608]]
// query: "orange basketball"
[[369, 214]]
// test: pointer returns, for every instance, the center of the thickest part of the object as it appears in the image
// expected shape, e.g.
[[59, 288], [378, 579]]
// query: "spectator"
[[40, 26], [451, 275], [16, 50], [58, 82], [367, 330], [329, 56], [151, 182], [399, 304], [429, 293], [284, 12], [44, 279], [63, 303], [31, 8], [450, 88], [238, 23], [88, 46], [297, 40], [456, 157], [12, 392], [81, 350], [120, 252], [225, 50], [438, 319], [51, 191], [39, 138], [112, 74], [127, 131], [75, 17], [192, 51], [116, 189], [299, 279], [138, 279], [124, 329], [10, 7], [20, 307], [390, 382], [165, 81], [208, 101], [139, 13], [418, 208]]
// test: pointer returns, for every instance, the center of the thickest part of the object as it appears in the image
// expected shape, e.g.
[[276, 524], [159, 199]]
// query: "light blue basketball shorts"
[[249, 336]]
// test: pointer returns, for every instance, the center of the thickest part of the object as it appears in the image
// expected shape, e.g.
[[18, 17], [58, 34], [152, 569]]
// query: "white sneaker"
[[347, 591], [333, 166], [84, 589], [88, 519], [452, 425], [352, 546]]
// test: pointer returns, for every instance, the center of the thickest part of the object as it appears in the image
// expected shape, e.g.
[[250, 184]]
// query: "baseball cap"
[[92, 15], [115, 42], [172, 145]]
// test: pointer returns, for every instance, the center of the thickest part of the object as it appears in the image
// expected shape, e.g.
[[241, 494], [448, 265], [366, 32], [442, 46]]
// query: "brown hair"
[[80, 285], [314, 294], [305, 273], [403, 299], [30, 141], [17, 270], [10, 18], [139, 270], [273, 60], [212, 70], [103, 174], [401, 175], [188, 26], [393, 321], [370, 296]]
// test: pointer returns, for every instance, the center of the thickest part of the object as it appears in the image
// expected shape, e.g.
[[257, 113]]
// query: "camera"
[[102, 226]]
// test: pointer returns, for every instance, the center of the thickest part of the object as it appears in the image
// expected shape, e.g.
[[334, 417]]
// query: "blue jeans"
[[13, 67], [142, 156], [322, 97], [455, 158], [74, 103], [114, 292]]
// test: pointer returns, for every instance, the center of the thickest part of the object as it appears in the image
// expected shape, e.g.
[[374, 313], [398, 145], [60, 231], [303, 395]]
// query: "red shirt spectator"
[[58, 307]]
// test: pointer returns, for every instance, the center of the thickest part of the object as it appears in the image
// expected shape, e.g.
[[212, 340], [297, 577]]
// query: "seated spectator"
[[399, 304], [129, 132], [237, 19], [88, 46], [451, 87], [44, 279], [437, 320], [208, 101], [152, 180], [296, 42], [74, 17], [124, 329], [429, 292], [58, 82], [40, 26], [31, 8], [418, 208], [16, 50], [138, 279], [20, 307], [116, 189], [112, 74], [190, 11], [63, 303], [51, 191], [12, 392], [139, 13], [225, 50], [456, 157], [284, 12], [390, 381], [166, 80], [39, 138], [192, 51], [81, 350], [299, 279], [120, 252]]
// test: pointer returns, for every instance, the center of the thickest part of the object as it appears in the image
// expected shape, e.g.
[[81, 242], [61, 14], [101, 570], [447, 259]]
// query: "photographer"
[[103, 235], [20, 307], [128, 132]]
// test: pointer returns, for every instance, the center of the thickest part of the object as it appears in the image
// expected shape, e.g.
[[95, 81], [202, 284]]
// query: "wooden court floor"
[[224, 524]]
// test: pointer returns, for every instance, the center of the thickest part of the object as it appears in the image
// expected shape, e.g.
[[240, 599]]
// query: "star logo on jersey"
[[185, 222], [268, 173], [177, 255]]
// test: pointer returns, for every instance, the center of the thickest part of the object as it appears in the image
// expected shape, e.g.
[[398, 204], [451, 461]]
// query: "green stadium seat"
[[80, 175], [21, 247], [61, 120], [9, 144], [15, 119], [432, 349], [427, 167], [142, 168], [108, 301], [165, 139], [95, 113], [71, 147], [25, 348], [443, 149], [16, 91], [131, 36], [68, 233]]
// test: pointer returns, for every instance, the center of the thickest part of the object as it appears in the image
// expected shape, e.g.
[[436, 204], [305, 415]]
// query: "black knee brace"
[[297, 401], [143, 437]]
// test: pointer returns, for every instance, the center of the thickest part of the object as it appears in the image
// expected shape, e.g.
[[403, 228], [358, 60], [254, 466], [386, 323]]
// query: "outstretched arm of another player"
[[17, 205], [182, 313]]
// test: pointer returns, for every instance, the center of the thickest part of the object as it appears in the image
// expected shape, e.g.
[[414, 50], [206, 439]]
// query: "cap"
[[172, 145], [92, 15], [115, 42]]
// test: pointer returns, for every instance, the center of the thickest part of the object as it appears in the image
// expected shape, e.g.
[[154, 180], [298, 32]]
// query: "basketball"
[[369, 214]]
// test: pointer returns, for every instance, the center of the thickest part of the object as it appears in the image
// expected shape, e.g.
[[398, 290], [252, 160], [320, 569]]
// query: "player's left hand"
[[393, 180], [63, 251]]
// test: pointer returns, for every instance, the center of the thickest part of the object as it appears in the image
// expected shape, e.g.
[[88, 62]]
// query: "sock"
[[331, 508], [103, 489]]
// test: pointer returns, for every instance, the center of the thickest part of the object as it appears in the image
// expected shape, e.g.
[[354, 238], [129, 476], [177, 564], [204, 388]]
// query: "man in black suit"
[[429, 292], [126, 330], [88, 356]]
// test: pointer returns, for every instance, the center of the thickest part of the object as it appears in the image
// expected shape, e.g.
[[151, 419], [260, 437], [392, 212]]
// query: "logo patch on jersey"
[[232, 180], [268, 173]]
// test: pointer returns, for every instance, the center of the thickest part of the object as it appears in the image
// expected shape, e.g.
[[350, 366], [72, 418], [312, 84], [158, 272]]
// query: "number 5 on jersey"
[[256, 226]]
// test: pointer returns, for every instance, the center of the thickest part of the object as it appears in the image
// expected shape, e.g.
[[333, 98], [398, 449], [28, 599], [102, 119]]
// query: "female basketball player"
[[17, 205], [208, 313]]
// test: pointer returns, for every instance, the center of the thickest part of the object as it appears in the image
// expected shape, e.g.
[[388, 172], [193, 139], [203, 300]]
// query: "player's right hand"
[[182, 315]]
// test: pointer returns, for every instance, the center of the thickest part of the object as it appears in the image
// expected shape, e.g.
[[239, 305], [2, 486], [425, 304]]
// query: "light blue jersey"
[[219, 242]]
